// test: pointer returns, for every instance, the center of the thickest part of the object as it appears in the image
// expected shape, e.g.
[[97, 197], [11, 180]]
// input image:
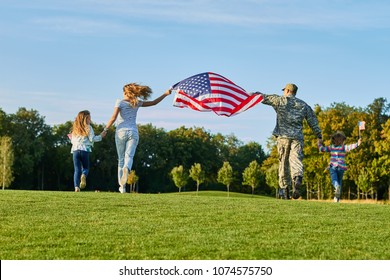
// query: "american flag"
[[212, 92], [362, 125]]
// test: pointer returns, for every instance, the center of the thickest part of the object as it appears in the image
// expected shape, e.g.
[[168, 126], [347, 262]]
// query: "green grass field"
[[185, 226]]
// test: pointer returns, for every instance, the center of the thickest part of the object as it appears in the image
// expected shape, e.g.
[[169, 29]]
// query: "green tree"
[[252, 175], [272, 178], [225, 175], [244, 155], [61, 162], [104, 162], [153, 156], [382, 161], [5, 123], [32, 139], [270, 164], [132, 180], [197, 174], [179, 176], [375, 155], [6, 161], [191, 145], [363, 182]]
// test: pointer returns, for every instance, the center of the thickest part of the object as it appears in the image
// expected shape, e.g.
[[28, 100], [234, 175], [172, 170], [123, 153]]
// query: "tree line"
[[36, 156]]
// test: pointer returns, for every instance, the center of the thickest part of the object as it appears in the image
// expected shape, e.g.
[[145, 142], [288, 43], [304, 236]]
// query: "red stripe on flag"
[[253, 98], [222, 78], [225, 99]]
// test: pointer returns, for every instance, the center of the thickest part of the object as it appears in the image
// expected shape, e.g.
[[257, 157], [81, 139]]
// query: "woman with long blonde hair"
[[126, 135], [82, 138]]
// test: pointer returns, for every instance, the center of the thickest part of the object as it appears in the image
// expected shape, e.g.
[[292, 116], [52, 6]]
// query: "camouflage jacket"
[[290, 113]]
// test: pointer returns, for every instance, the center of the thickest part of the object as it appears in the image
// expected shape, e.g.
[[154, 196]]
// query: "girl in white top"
[[126, 135], [82, 138]]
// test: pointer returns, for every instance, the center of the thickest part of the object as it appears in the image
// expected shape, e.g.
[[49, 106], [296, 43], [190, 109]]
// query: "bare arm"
[[112, 119], [157, 100]]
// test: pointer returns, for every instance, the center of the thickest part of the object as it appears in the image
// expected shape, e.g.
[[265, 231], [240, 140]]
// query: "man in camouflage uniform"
[[290, 113]]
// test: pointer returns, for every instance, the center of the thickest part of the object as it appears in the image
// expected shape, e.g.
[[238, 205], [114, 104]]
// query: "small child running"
[[82, 138], [337, 165]]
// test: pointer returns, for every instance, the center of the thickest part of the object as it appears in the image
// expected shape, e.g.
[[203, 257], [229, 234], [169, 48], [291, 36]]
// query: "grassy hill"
[[186, 226]]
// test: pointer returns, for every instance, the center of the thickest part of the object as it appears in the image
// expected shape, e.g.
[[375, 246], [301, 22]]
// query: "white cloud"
[[253, 13], [83, 26]]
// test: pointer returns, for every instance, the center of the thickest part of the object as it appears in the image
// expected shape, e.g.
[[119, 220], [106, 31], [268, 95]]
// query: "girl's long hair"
[[134, 91], [80, 125]]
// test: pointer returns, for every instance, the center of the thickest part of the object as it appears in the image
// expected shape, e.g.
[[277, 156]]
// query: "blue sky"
[[62, 56]]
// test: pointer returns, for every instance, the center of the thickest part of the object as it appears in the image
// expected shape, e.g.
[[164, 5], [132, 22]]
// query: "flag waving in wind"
[[212, 92]]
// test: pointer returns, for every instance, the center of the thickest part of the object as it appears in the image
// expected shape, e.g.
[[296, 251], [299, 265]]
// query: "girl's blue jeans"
[[81, 166], [126, 143], [336, 176]]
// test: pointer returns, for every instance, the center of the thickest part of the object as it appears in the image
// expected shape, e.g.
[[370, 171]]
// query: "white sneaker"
[[77, 189], [122, 189], [83, 182], [125, 175]]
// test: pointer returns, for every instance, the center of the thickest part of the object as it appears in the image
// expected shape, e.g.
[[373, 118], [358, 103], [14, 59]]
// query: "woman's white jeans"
[[126, 143]]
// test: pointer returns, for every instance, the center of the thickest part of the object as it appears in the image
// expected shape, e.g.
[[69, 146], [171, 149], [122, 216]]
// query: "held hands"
[[104, 132]]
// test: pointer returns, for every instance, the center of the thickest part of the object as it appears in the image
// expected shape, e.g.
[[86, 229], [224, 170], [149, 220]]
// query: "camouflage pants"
[[290, 161]]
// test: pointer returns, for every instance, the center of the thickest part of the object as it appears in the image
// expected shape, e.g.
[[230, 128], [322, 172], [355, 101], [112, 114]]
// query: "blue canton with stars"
[[195, 86]]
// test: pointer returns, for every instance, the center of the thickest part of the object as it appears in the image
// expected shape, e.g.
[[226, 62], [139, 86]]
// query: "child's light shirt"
[[84, 143], [127, 115]]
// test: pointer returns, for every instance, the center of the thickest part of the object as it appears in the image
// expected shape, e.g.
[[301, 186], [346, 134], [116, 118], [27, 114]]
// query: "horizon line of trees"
[[37, 156]]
